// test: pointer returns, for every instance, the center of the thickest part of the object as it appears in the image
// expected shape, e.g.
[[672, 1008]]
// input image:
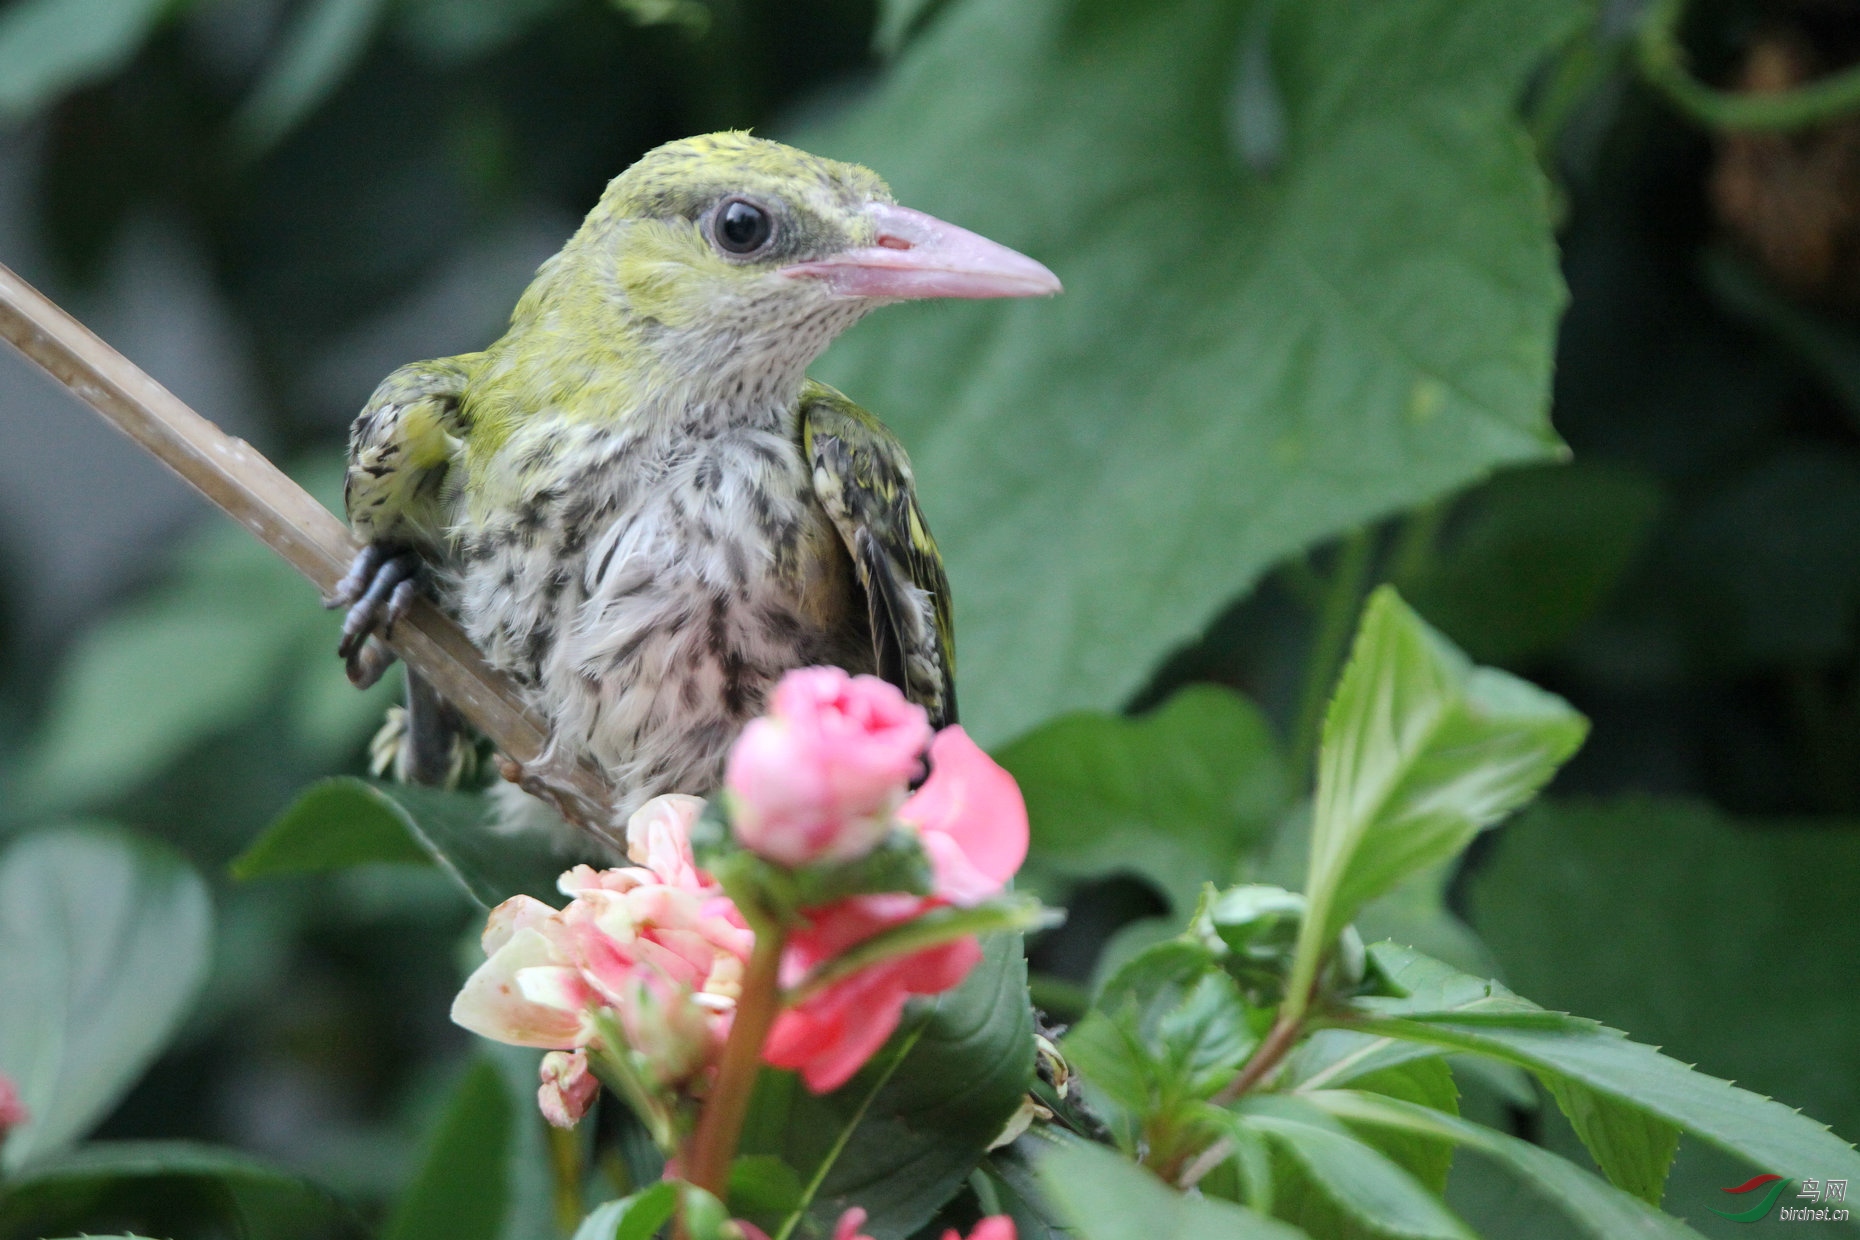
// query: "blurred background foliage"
[[1335, 272]]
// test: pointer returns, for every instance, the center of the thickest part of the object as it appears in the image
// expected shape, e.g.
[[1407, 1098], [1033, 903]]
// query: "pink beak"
[[919, 256]]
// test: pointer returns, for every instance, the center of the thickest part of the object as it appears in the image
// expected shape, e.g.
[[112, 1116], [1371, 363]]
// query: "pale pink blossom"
[[568, 1088], [658, 946], [819, 777], [973, 824]]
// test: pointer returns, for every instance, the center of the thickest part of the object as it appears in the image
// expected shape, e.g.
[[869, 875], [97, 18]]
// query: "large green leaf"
[[169, 1188], [1176, 795], [1584, 1056], [1600, 1210], [1425, 1081], [1532, 555], [1104, 1197], [462, 1188], [900, 1137], [485, 1173], [1355, 1183], [189, 660], [345, 822], [1421, 750], [1242, 365], [104, 942], [1745, 952], [1015, 1180], [48, 47]]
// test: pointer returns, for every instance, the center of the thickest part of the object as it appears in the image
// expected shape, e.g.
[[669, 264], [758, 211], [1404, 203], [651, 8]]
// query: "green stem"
[[1663, 63], [1342, 597], [713, 1146], [565, 1166], [1411, 559]]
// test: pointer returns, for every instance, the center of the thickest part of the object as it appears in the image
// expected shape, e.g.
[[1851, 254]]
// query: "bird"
[[636, 501]]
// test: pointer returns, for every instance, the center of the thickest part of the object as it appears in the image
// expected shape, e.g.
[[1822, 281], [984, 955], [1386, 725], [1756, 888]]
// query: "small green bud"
[[1253, 932]]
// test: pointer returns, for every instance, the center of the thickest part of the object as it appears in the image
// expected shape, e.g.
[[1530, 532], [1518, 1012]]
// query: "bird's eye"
[[743, 227]]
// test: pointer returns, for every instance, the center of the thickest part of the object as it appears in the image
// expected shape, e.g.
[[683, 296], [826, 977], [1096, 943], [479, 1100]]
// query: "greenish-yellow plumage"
[[635, 500]]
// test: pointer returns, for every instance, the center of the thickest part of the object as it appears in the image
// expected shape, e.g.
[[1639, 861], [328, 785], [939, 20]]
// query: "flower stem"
[[713, 1146]]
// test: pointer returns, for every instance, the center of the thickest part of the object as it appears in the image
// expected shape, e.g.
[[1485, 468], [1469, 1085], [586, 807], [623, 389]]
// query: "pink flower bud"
[[818, 778], [568, 1088]]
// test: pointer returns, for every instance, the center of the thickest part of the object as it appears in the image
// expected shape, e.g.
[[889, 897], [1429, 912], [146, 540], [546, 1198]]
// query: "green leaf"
[[1368, 327], [898, 20], [764, 1190], [449, 33], [104, 943], [1421, 751], [1634, 1149], [50, 47], [637, 1217], [1603, 1060], [154, 678], [170, 1188], [1428, 1082], [1744, 956], [331, 828], [1375, 1194], [345, 821], [1177, 795], [462, 1188], [903, 1134], [1017, 1187], [325, 40], [1600, 1210], [1533, 553], [1104, 1197], [1168, 1031]]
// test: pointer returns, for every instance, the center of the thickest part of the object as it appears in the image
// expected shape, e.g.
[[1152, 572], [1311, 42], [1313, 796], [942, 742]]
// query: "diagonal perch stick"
[[283, 516]]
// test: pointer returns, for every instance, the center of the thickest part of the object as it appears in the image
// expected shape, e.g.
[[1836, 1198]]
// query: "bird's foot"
[[378, 590]]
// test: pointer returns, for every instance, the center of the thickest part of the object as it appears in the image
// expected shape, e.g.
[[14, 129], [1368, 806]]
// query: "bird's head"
[[739, 253]]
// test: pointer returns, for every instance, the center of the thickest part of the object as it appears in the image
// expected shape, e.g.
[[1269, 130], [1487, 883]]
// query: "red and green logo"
[[1776, 1185]]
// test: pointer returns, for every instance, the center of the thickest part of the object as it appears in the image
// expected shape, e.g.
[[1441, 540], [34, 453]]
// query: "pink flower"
[[819, 777], [658, 946], [973, 823], [971, 818], [994, 1227], [829, 1037], [568, 1088], [13, 1111]]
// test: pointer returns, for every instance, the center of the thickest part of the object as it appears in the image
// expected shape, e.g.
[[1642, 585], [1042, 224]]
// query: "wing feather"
[[863, 479]]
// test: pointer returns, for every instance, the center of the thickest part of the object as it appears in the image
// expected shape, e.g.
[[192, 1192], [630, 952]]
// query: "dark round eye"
[[743, 227]]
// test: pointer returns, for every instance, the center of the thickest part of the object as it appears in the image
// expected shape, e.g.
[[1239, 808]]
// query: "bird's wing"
[[863, 479], [401, 448]]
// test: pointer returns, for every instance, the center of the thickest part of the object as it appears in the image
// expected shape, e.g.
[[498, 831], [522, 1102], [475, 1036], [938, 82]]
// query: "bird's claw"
[[378, 590]]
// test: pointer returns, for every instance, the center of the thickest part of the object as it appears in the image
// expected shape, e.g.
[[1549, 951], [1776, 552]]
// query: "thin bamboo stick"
[[238, 479]]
